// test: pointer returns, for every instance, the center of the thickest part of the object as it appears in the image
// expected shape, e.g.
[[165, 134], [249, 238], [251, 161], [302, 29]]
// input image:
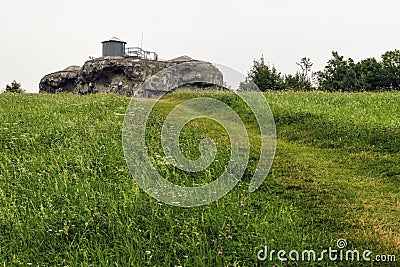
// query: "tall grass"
[[68, 199]]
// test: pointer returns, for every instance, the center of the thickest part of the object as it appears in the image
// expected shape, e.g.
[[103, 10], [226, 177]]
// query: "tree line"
[[339, 74]]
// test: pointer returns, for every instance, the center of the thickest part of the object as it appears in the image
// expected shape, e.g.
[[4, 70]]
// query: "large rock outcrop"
[[121, 75], [60, 81], [195, 74]]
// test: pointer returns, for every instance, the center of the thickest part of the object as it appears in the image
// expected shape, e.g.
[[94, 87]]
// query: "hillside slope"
[[67, 197]]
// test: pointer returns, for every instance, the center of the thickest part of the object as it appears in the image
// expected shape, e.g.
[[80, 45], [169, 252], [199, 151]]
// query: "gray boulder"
[[60, 81]]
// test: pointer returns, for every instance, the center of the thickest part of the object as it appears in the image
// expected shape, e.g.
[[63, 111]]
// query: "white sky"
[[43, 36]]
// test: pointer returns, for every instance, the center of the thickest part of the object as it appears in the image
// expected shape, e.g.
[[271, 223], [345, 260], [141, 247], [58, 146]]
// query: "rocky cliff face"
[[121, 75]]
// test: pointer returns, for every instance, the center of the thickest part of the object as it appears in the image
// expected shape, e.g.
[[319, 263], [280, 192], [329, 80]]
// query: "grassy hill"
[[67, 197]]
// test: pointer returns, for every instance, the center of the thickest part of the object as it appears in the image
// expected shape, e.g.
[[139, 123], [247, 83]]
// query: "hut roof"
[[114, 39]]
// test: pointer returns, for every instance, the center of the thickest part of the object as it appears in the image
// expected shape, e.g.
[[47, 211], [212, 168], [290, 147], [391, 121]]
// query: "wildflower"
[[219, 245], [104, 223], [245, 214], [227, 230], [220, 252], [180, 234], [228, 224], [229, 237], [197, 243], [242, 205]]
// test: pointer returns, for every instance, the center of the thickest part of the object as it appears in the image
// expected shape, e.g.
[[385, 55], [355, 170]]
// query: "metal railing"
[[140, 53]]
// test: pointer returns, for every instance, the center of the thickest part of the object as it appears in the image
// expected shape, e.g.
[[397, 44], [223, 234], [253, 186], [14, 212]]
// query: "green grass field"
[[67, 197]]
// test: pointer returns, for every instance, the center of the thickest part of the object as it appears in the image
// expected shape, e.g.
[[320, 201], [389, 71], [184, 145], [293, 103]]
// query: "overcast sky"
[[43, 36]]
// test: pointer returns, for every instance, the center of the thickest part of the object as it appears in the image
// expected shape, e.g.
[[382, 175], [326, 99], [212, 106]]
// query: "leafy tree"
[[264, 76], [14, 87], [305, 65], [339, 75], [301, 80], [298, 81], [391, 69], [371, 74]]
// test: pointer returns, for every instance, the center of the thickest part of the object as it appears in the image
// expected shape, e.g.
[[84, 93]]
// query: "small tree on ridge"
[[14, 87]]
